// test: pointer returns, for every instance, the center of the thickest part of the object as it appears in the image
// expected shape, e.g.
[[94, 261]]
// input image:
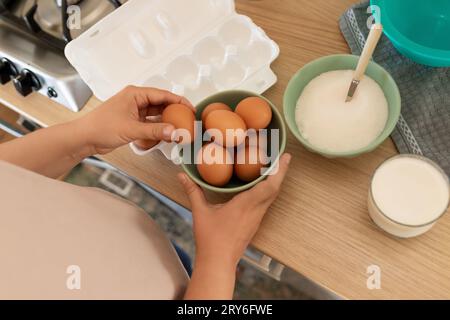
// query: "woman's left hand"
[[123, 119], [223, 232]]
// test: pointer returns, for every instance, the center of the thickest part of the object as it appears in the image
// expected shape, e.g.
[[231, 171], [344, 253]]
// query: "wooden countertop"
[[319, 226]]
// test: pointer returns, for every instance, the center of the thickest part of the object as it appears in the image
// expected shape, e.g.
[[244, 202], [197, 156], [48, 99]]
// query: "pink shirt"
[[60, 241]]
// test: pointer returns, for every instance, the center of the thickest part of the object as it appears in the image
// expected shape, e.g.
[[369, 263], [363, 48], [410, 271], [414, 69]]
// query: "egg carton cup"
[[169, 150], [217, 63], [192, 48]]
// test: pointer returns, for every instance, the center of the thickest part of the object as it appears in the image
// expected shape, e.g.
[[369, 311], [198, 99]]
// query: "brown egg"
[[255, 111], [181, 117], [230, 128], [215, 164], [214, 107], [145, 144], [249, 162], [257, 138]]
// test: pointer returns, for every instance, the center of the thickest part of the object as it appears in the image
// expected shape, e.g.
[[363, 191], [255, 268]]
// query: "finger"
[[267, 190], [153, 119], [151, 111], [147, 97], [186, 102], [153, 131], [193, 191], [145, 144], [277, 179], [155, 110]]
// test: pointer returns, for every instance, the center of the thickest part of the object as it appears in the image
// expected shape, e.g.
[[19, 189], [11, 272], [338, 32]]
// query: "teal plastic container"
[[419, 29]]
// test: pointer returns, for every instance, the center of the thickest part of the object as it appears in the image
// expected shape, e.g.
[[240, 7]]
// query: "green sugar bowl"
[[341, 62]]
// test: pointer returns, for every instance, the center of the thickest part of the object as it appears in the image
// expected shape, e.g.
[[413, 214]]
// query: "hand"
[[124, 119], [223, 232]]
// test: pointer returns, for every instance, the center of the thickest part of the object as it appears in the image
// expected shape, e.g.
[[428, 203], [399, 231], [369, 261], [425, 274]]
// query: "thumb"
[[193, 191], [155, 131]]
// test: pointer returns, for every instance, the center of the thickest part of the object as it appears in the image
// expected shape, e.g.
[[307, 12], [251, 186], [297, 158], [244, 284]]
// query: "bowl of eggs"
[[242, 137]]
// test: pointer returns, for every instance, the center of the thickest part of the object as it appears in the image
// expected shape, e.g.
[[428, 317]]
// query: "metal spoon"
[[366, 55]]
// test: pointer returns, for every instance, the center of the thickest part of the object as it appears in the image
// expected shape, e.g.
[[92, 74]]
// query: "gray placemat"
[[424, 126]]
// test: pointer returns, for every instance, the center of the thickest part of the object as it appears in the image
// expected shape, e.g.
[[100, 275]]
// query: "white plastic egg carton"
[[193, 48]]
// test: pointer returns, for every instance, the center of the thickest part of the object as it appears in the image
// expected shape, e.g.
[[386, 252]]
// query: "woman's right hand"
[[223, 232], [123, 119]]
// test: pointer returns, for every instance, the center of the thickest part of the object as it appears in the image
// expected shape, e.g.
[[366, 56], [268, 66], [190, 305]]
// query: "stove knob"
[[7, 70], [26, 82]]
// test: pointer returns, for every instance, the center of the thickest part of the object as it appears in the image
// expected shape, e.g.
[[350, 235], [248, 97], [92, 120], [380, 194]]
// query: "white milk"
[[408, 194], [329, 123]]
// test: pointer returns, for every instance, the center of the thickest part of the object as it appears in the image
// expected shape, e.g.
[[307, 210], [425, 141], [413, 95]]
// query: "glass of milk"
[[408, 195]]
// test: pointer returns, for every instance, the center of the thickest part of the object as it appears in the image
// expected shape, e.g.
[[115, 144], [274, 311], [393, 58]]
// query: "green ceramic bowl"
[[232, 98], [341, 62]]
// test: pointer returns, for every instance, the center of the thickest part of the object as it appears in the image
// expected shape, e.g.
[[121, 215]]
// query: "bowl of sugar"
[[318, 115]]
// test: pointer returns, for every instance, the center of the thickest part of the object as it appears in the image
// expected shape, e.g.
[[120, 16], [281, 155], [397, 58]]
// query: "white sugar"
[[329, 123]]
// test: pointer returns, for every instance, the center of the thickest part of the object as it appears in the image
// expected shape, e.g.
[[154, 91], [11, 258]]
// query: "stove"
[[33, 35]]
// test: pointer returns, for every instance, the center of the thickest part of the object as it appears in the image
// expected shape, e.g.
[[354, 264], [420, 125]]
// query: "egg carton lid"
[[130, 43]]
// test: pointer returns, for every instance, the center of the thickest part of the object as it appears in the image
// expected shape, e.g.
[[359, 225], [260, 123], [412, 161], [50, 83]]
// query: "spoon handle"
[[371, 43]]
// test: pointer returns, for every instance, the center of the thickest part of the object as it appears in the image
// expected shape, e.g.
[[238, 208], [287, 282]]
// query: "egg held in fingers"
[[183, 119]]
